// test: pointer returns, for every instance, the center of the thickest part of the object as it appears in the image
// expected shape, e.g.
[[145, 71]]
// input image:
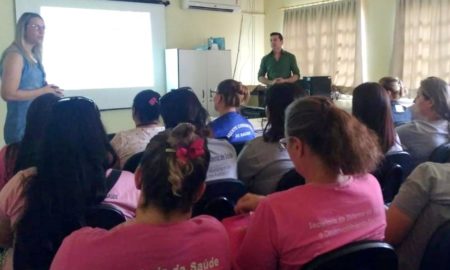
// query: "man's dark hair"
[[280, 36]]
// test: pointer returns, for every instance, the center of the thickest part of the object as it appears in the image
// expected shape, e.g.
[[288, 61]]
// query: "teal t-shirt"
[[283, 68]]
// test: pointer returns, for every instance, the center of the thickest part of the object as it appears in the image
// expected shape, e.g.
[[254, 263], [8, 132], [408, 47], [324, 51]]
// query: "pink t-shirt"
[[198, 243], [290, 228], [123, 195], [4, 174]]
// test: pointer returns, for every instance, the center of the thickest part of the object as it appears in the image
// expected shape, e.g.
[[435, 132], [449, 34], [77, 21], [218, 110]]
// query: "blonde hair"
[[19, 40]]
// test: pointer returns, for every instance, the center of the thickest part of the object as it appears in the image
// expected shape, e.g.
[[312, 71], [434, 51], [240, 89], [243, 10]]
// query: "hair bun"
[[182, 135]]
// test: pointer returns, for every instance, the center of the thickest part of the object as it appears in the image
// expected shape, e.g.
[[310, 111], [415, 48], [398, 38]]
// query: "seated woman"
[[420, 207], [41, 205], [145, 111], [163, 235], [22, 155], [395, 90], [263, 162], [431, 127], [231, 125], [182, 106], [340, 202], [371, 106]]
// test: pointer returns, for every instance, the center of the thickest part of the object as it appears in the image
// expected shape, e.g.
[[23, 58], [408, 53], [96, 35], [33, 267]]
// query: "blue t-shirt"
[[234, 127]]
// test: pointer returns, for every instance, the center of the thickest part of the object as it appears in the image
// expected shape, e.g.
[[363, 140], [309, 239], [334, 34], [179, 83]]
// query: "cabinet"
[[201, 70]]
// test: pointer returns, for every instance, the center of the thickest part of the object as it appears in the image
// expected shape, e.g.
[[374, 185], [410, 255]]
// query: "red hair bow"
[[153, 101], [194, 150]]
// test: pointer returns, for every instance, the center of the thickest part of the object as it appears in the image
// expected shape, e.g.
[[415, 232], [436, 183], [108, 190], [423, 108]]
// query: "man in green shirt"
[[279, 66]]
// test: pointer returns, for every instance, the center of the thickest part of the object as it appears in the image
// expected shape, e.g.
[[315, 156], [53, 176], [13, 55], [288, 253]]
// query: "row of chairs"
[[391, 173]]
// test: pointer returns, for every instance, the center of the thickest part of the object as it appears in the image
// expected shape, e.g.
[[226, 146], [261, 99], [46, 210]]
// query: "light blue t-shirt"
[[32, 77], [234, 127]]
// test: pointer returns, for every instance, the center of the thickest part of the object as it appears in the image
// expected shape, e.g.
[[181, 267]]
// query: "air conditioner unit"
[[213, 5]]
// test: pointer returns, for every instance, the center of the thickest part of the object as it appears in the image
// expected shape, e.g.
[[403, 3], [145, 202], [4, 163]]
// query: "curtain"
[[421, 41], [326, 39]]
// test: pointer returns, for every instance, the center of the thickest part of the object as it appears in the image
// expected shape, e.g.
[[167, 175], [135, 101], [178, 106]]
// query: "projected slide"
[[105, 50], [97, 49]]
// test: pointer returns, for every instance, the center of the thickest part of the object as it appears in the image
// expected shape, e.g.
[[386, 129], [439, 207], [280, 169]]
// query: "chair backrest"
[[219, 208], [289, 180], [392, 172], [219, 196], [363, 255], [437, 253], [133, 162], [441, 154], [104, 216]]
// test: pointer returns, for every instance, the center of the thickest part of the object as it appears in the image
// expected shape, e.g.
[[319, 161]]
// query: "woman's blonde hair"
[[19, 40]]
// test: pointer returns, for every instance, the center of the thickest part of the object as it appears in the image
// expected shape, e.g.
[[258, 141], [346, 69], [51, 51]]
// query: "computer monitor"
[[317, 85]]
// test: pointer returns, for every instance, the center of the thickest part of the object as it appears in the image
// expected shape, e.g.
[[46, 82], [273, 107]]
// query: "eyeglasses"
[[37, 27], [284, 142]]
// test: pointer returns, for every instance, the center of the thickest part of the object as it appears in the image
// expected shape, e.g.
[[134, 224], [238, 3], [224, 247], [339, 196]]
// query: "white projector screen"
[[105, 50]]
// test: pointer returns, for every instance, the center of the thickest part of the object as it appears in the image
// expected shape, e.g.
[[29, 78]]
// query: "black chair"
[[220, 198], [437, 253], [289, 180], [363, 255], [104, 216], [133, 162], [392, 172], [219, 208], [441, 154]]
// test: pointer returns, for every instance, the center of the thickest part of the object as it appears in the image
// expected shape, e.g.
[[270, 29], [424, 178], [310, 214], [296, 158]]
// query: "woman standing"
[[22, 74]]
